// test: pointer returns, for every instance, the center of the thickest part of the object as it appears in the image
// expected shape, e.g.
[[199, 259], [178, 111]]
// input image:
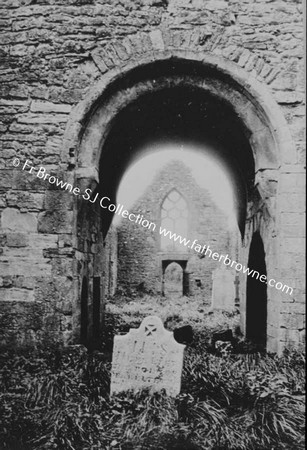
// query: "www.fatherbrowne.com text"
[[105, 203]]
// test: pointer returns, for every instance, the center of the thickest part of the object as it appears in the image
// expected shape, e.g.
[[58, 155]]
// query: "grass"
[[59, 398]]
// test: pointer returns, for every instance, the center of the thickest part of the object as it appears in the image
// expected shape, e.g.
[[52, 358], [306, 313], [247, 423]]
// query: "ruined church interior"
[[152, 224], [186, 167]]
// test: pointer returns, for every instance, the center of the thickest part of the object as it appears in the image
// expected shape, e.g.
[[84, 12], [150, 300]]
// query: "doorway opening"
[[84, 312], [256, 295], [175, 278], [96, 310]]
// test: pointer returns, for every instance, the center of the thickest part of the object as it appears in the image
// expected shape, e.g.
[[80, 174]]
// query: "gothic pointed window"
[[174, 217]]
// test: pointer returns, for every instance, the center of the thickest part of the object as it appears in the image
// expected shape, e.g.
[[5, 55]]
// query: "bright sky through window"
[[174, 217], [207, 171]]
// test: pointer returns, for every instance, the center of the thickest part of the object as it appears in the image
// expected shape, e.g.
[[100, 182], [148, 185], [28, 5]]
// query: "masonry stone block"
[[16, 295], [139, 252], [12, 219], [57, 217], [289, 97], [293, 244], [292, 182], [24, 282], [2, 201], [292, 308], [292, 224], [42, 119], [26, 201], [292, 337], [20, 323], [26, 267], [5, 179], [55, 222], [63, 266], [294, 321], [48, 107], [292, 202], [157, 40], [17, 240]]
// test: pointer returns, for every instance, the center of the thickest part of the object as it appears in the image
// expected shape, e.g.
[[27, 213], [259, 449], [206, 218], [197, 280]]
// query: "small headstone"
[[223, 289], [184, 335], [224, 336], [147, 357]]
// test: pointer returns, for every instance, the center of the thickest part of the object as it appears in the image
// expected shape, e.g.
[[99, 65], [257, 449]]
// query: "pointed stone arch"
[[174, 217]]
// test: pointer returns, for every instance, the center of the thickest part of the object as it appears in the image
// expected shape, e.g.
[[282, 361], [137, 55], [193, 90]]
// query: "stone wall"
[[52, 54], [139, 249]]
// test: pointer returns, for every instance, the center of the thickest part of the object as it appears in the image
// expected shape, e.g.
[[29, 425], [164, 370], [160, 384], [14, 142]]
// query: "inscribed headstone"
[[147, 357], [223, 289]]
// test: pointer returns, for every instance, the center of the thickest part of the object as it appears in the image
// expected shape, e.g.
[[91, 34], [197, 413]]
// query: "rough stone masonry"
[[140, 257], [68, 70]]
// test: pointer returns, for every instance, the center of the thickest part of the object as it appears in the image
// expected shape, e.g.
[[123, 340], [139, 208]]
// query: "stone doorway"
[[84, 312], [96, 311], [175, 278], [256, 295]]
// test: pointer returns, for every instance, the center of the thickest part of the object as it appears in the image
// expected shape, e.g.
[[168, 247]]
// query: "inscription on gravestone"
[[147, 357]]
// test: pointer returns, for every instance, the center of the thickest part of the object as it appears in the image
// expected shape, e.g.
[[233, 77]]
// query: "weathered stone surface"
[[141, 263], [2, 202], [55, 222], [42, 119], [48, 107], [57, 217], [294, 321], [292, 182], [17, 240], [24, 266], [147, 357], [293, 224], [27, 201], [157, 40], [42, 241], [13, 219], [53, 54], [293, 337], [292, 308], [16, 295]]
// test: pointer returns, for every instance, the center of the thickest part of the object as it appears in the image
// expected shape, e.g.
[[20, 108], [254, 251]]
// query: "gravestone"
[[223, 289], [147, 357]]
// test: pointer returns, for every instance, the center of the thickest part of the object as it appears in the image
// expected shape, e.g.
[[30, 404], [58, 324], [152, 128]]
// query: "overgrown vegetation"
[[59, 399], [123, 313]]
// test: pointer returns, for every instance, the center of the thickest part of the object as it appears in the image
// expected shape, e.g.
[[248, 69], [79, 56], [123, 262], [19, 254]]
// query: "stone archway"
[[260, 136], [96, 311], [183, 282], [172, 279]]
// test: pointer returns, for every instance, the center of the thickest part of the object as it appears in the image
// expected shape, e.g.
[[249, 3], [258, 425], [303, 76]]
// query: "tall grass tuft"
[[60, 400]]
